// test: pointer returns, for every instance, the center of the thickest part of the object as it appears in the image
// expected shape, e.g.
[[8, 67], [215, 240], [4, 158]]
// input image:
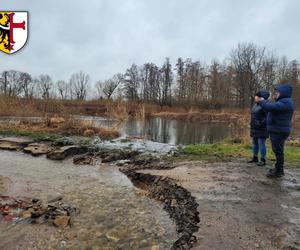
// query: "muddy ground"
[[239, 207]]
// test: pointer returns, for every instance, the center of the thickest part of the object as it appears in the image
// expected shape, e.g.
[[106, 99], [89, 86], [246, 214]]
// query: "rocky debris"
[[37, 149], [85, 159], [10, 206], [56, 213], [66, 151], [178, 202], [122, 163], [144, 160], [65, 141], [148, 161], [106, 155], [22, 141], [62, 221], [14, 143], [9, 146], [116, 154]]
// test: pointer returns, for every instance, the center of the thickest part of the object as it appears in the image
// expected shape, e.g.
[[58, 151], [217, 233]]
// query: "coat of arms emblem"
[[13, 30]]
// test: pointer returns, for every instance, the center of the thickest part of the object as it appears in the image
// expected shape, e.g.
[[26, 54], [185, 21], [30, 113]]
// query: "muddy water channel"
[[113, 214]]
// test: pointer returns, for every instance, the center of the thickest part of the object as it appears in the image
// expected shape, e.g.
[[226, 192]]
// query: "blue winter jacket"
[[281, 111], [258, 125]]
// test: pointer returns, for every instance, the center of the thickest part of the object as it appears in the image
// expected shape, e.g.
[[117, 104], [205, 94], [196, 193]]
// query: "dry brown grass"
[[294, 142], [240, 117], [14, 106], [59, 125], [116, 110], [18, 107], [88, 128]]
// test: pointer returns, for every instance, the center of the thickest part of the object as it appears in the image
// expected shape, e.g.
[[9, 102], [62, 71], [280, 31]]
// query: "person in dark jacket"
[[258, 130], [279, 119]]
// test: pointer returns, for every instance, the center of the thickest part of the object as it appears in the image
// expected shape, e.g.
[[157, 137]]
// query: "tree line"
[[230, 83]]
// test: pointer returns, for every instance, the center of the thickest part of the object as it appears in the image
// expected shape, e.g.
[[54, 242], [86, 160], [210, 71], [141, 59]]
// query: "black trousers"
[[277, 141]]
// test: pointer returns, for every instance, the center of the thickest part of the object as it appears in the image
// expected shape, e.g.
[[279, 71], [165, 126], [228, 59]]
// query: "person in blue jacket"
[[279, 120], [258, 129]]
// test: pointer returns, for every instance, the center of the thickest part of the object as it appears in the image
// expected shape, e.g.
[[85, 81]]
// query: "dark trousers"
[[277, 141]]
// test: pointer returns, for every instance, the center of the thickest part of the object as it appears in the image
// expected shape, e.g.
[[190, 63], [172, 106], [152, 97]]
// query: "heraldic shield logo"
[[13, 30]]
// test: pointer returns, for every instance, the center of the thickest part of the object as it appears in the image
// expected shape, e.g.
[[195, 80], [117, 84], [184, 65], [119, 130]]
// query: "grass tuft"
[[225, 151]]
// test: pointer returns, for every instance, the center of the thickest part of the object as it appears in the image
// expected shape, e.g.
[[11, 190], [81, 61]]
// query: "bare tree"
[[248, 60], [11, 82], [282, 72], [166, 82], [181, 93], [27, 85], [109, 86], [269, 72], [150, 89], [132, 83], [45, 85], [63, 89], [80, 84]]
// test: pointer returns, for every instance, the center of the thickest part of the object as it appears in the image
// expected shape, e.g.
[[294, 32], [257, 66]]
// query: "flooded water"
[[179, 132], [172, 131], [176, 132], [113, 213]]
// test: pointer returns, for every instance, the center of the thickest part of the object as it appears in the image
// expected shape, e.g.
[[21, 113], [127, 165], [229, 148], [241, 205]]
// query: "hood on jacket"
[[285, 90], [263, 93]]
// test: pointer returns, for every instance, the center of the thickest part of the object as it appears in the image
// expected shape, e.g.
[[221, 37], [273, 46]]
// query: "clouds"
[[103, 37]]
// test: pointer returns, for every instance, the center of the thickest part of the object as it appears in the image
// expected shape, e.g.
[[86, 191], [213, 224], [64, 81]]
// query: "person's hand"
[[256, 99]]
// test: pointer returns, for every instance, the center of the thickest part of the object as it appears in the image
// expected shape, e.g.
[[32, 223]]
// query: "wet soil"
[[239, 207]]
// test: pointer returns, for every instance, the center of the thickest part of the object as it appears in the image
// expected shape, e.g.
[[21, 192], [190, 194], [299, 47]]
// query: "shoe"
[[275, 173], [262, 162], [254, 160]]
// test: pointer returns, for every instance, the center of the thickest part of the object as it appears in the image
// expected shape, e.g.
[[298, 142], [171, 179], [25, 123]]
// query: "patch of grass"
[[38, 136], [225, 151], [292, 155], [219, 150]]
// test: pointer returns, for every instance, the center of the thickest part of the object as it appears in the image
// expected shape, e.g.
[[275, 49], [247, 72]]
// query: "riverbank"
[[230, 150], [226, 150]]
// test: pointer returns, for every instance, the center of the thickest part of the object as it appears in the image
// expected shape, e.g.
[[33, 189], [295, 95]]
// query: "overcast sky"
[[103, 37]]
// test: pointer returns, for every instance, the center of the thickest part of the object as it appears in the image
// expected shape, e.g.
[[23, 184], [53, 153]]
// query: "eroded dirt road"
[[239, 207]]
